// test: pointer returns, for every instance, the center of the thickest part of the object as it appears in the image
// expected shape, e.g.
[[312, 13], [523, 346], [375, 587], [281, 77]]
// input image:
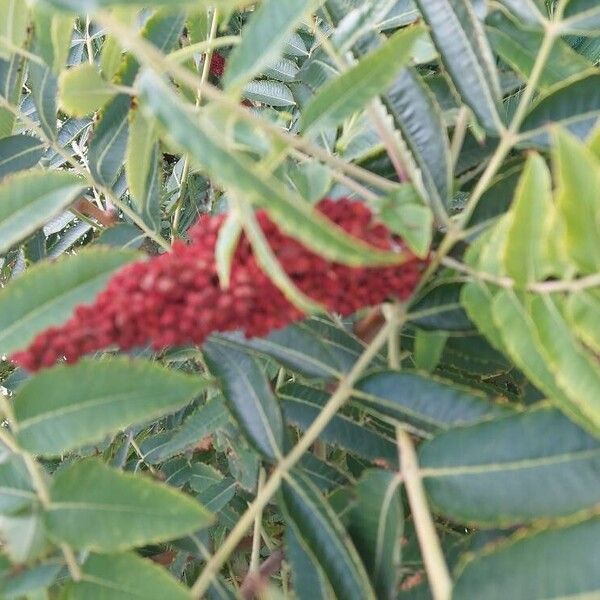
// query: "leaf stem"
[[337, 400], [440, 581]]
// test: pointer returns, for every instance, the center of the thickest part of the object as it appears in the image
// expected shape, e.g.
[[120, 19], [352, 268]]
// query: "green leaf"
[[44, 90], [16, 489], [14, 18], [440, 309], [519, 48], [206, 421], [95, 507], [107, 148], [53, 33], [83, 91], [303, 404], [28, 200], [11, 75], [23, 537], [524, 252], [405, 214], [142, 166], [308, 579], [577, 373], [577, 173], [424, 401], [417, 115], [274, 20], [466, 55], [520, 338], [538, 564], [376, 527], [574, 103], [316, 347], [18, 153], [47, 294], [428, 348], [581, 17], [271, 93], [284, 70], [249, 395], [316, 525], [29, 581], [510, 470], [227, 243], [583, 313], [529, 11], [109, 143], [207, 147], [68, 406], [351, 91], [125, 576]]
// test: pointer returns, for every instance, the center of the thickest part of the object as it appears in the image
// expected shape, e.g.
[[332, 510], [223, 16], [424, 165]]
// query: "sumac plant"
[[300, 299]]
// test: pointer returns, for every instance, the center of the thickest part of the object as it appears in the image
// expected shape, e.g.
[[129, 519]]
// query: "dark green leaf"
[[19, 152], [539, 566], [317, 527], [249, 395], [460, 38], [510, 470], [302, 405], [376, 525], [424, 401]]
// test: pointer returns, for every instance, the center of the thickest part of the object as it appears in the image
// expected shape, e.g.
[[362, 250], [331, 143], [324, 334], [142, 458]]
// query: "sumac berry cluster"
[[176, 298]]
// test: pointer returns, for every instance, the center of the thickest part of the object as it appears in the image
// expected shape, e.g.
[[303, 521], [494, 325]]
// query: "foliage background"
[[448, 448]]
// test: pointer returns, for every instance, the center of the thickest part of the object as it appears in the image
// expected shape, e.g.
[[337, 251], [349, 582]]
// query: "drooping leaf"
[[206, 421], [308, 578], [248, 394], [577, 372], [14, 20], [318, 528], [467, 57], [95, 507], [418, 116], [66, 407], [376, 526]]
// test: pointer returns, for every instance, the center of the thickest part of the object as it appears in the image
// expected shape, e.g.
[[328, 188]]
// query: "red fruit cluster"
[[217, 64], [176, 298]]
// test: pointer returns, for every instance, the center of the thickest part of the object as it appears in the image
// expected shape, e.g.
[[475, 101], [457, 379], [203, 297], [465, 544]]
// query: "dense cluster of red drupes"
[[176, 298]]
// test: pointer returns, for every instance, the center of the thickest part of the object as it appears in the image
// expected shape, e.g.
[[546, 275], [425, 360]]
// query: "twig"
[[254, 582], [440, 581]]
